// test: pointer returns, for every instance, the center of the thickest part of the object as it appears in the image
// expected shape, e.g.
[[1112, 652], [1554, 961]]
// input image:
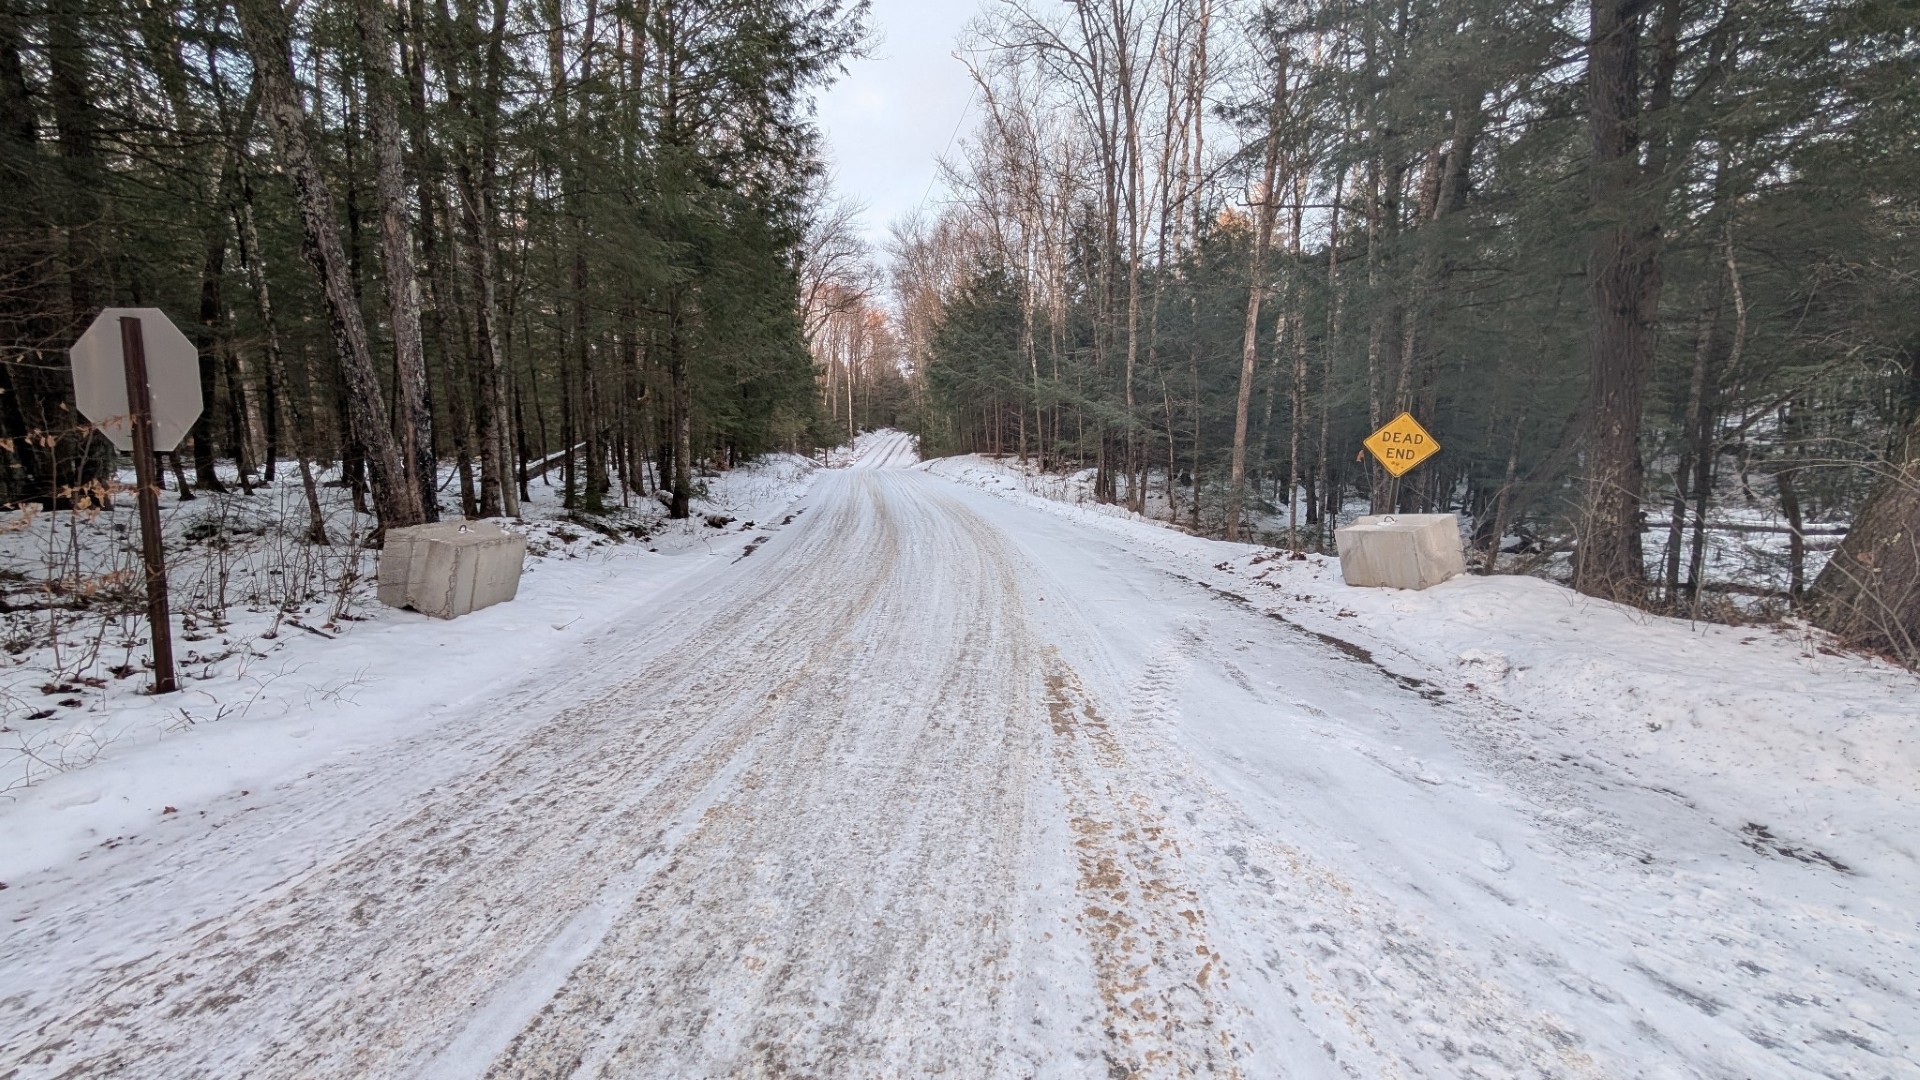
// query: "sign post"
[[144, 395], [133, 347]]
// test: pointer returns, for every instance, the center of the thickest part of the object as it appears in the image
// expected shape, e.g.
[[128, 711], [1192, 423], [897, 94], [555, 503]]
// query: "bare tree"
[[1265, 203]]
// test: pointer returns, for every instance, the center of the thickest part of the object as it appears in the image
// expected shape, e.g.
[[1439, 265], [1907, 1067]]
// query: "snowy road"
[[933, 783]]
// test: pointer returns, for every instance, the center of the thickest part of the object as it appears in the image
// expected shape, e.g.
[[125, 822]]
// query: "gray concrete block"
[[1401, 551], [395, 571], [451, 568]]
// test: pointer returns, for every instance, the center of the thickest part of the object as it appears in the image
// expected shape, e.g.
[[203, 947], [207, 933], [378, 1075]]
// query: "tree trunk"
[[1623, 271], [236, 411], [1298, 403], [1256, 289], [76, 122], [276, 362], [1787, 481], [1869, 592], [396, 243], [264, 28], [682, 419], [205, 337], [497, 491]]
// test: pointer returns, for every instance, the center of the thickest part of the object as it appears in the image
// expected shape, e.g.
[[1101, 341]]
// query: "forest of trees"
[[1638, 264], [527, 237], [1646, 268]]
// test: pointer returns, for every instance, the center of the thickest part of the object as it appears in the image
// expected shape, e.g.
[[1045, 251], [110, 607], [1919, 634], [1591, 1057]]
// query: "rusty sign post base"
[[146, 477]]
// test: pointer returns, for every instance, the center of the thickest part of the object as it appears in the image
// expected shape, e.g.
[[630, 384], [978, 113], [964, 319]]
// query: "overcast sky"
[[895, 111]]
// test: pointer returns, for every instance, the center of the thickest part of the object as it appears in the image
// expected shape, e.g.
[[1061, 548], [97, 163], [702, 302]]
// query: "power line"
[[935, 178]]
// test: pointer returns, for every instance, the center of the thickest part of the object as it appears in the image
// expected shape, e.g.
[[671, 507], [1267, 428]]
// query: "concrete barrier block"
[[1401, 551], [450, 568], [396, 567]]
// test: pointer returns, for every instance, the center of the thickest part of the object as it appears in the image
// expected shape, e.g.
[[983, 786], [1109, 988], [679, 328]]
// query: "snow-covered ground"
[[1765, 701], [952, 777], [1738, 807], [1746, 561], [285, 658]]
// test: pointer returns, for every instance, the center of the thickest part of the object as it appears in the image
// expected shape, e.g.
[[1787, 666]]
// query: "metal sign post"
[[146, 468]]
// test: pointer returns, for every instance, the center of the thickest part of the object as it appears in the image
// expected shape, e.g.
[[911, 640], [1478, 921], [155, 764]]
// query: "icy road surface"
[[935, 784]]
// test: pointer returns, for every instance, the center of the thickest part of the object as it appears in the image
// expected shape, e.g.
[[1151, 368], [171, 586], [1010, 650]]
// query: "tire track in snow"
[[1369, 986], [1159, 976], [1328, 976], [869, 865], [1152, 698]]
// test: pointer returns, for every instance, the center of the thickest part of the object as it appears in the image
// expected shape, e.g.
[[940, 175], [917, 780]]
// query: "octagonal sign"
[[173, 377]]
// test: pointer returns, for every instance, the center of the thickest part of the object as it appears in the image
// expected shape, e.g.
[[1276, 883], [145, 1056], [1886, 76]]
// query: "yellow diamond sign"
[[1402, 444]]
